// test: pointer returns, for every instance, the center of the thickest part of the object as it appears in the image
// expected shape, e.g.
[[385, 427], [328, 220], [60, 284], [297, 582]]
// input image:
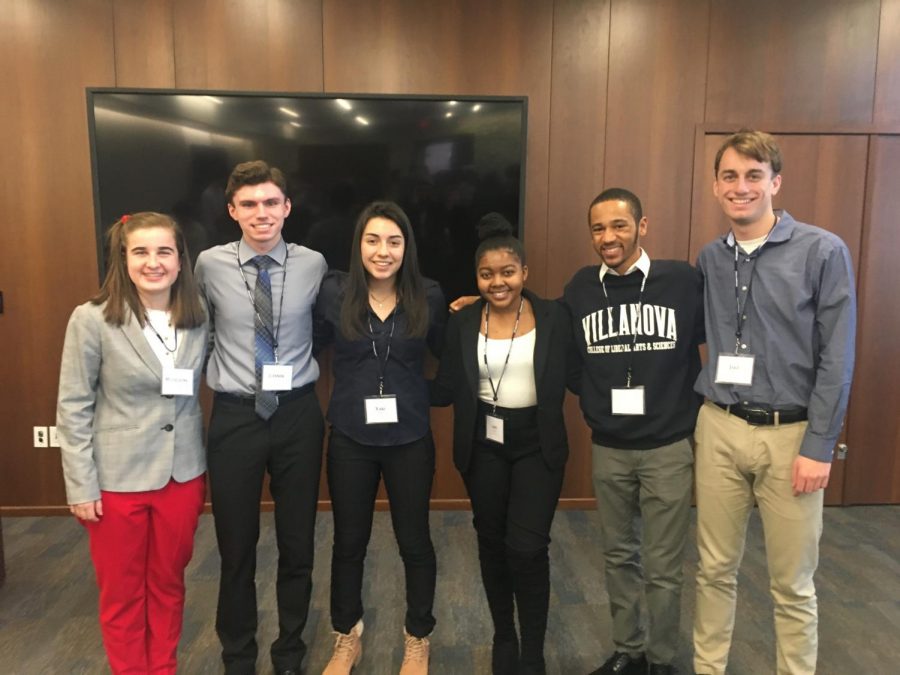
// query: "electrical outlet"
[[53, 437], [40, 437]]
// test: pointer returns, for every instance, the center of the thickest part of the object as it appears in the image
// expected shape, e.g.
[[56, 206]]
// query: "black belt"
[[763, 415], [283, 396]]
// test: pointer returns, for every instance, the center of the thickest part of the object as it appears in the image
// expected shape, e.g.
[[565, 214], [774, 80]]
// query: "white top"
[[517, 388], [750, 245], [161, 321]]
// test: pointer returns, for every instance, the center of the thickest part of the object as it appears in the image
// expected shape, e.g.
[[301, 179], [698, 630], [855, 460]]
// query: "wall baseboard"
[[324, 505]]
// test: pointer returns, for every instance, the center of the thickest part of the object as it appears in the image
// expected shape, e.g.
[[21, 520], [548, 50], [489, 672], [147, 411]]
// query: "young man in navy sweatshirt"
[[639, 324]]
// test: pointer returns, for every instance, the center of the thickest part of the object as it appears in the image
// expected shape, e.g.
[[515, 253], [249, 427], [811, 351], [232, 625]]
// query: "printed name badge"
[[277, 377], [628, 400], [381, 409], [735, 369], [177, 381], [493, 428]]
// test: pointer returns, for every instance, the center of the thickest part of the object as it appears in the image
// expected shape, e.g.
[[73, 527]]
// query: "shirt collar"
[[246, 252], [782, 231], [642, 264]]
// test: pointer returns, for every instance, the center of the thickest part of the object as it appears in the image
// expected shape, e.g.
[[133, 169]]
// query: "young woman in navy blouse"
[[381, 318], [504, 370]]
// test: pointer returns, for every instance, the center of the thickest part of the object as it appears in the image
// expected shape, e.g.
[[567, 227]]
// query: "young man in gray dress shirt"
[[780, 329], [260, 292]]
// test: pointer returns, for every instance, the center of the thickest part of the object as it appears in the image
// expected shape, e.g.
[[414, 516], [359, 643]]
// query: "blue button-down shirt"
[[800, 325]]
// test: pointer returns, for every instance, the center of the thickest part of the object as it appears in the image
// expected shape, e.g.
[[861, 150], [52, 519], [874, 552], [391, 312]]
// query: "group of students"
[[624, 338]]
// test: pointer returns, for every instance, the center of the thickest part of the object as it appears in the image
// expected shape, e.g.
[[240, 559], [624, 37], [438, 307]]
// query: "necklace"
[[380, 303]]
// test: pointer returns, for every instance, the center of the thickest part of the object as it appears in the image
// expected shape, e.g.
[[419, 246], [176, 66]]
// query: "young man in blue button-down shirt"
[[780, 328]]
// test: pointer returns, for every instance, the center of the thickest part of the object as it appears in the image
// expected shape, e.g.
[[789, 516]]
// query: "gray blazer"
[[117, 432]]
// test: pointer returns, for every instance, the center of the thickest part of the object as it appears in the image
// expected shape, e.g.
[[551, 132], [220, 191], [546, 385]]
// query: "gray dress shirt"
[[296, 276], [800, 325]]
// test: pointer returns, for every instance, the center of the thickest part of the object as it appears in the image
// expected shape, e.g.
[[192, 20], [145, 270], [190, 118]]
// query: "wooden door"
[[873, 461]]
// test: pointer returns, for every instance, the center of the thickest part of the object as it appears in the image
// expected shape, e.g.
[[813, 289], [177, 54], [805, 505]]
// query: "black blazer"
[[457, 377]]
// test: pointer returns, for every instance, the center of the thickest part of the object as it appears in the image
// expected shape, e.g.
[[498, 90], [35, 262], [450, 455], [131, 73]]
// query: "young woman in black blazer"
[[504, 370]]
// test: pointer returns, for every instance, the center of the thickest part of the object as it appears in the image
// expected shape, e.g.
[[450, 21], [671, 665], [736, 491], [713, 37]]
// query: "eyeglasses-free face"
[[260, 210]]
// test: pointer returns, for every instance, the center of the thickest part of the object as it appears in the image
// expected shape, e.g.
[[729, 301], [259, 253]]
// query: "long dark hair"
[[410, 287], [118, 289]]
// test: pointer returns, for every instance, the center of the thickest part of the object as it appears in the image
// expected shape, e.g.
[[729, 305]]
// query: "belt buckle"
[[758, 416]]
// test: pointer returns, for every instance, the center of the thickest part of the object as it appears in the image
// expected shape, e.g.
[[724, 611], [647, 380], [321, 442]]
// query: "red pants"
[[140, 548]]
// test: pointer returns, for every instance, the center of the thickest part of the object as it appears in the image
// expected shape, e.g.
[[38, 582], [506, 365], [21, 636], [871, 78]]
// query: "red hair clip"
[[125, 218]]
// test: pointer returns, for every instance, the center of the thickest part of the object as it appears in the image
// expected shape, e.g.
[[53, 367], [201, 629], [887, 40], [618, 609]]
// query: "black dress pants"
[[242, 447], [354, 472], [514, 496]]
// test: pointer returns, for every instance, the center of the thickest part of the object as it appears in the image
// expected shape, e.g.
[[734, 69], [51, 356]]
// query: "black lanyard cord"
[[382, 367], [740, 312], [487, 316], [161, 339], [640, 312]]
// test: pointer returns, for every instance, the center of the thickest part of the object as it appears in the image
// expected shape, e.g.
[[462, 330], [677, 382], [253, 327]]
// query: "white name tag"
[[277, 376], [493, 428], [627, 400], [381, 409], [177, 381], [735, 369]]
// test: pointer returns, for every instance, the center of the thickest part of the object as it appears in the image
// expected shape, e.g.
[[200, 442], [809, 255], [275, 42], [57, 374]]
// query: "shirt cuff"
[[817, 447]]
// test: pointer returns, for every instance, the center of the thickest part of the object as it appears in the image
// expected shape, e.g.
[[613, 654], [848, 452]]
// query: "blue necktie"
[[264, 340]]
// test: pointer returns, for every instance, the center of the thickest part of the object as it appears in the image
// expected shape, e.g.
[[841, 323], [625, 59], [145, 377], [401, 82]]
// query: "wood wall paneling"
[[145, 54], [577, 140], [873, 461], [806, 61], [887, 76], [248, 45], [49, 260], [657, 68], [577, 147]]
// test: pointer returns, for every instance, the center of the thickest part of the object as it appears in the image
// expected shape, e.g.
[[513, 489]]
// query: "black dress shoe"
[[622, 663], [662, 669]]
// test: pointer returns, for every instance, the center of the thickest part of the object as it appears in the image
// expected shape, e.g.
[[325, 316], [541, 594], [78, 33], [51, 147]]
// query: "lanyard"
[[741, 315], [382, 367], [161, 339], [272, 335], [487, 317], [629, 371]]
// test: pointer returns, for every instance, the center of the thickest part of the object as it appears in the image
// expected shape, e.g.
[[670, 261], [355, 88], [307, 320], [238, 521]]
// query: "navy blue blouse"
[[356, 371]]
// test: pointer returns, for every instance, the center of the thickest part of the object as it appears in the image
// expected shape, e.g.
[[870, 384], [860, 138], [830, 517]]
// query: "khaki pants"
[[739, 464], [644, 505]]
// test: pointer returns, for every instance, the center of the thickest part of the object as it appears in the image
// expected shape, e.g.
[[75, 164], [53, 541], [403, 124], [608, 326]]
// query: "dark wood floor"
[[48, 618]]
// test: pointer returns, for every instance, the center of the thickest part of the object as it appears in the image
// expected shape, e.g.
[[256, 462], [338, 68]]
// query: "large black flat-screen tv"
[[445, 160]]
